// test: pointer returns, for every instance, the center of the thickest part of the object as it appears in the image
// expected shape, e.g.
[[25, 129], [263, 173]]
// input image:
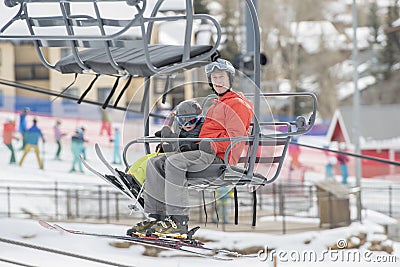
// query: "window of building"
[[32, 71]]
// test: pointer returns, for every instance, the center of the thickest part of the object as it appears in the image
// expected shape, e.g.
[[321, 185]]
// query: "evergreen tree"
[[373, 21], [200, 7], [230, 25], [389, 55]]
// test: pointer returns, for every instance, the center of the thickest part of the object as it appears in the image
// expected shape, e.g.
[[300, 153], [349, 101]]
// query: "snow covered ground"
[[304, 249]]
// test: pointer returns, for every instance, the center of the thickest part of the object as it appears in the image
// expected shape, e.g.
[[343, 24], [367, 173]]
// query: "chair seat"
[[207, 172], [215, 175], [133, 60]]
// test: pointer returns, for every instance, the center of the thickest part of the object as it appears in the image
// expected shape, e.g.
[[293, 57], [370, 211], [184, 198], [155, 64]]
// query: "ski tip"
[[97, 146], [194, 229], [44, 224], [99, 153]]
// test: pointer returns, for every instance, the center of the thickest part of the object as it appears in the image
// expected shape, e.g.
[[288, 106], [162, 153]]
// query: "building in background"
[[379, 136]]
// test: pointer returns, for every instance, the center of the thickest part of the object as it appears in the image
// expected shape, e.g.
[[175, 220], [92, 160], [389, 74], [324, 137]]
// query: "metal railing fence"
[[102, 203]]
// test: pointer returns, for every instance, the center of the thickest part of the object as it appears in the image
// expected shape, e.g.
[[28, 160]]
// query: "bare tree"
[[281, 23]]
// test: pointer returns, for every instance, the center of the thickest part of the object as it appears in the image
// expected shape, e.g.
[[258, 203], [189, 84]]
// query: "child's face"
[[188, 127], [188, 123]]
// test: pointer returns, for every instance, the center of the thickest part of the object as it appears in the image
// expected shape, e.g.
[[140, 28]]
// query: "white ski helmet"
[[220, 65]]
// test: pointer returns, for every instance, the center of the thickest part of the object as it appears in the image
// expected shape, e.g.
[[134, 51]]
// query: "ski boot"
[[175, 226], [140, 228]]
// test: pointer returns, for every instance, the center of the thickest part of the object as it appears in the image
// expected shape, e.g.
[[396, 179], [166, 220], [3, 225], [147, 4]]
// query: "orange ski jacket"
[[229, 116]]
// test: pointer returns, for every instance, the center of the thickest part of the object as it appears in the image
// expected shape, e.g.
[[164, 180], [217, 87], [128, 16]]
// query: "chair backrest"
[[261, 164]]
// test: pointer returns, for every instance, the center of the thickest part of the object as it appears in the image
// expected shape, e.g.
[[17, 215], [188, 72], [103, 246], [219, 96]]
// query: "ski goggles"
[[221, 65], [188, 120]]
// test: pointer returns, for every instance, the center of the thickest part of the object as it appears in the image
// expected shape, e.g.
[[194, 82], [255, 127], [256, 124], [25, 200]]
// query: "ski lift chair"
[[106, 45], [253, 161]]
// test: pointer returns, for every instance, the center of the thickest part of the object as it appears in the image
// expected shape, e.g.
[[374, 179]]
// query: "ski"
[[164, 243], [127, 185], [106, 178], [134, 184], [47, 225]]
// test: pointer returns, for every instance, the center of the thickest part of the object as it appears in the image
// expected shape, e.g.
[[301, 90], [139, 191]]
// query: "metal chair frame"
[[102, 39]]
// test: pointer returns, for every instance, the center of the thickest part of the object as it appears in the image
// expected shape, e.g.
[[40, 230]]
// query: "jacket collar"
[[230, 94]]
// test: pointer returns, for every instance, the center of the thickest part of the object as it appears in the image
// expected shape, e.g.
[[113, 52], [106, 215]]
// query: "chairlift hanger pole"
[[256, 79]]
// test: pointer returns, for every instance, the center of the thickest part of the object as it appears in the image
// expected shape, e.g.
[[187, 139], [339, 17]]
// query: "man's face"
[[220, 81]]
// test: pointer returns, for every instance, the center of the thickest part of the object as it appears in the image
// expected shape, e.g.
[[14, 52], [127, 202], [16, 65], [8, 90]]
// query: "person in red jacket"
[[166, 197], [8, 136]]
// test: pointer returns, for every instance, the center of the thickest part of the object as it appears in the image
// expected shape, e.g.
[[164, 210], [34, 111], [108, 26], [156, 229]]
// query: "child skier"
[[187, 124], [117, 144], [32, 136], [8, 136], [76, 148]]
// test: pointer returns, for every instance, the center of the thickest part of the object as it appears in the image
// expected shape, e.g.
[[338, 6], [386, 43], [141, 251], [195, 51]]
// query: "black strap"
[[88, 89], [66, 88], [205, 209], [235, 197], [123, 91], [105, 104], [216, 208], [166, 87], [254, 208]]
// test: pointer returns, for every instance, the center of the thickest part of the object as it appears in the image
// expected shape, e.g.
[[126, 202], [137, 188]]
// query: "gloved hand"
[[207, 146], [188, 147], [157, 134], [166, 132], [164, 147], [159, 148]]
